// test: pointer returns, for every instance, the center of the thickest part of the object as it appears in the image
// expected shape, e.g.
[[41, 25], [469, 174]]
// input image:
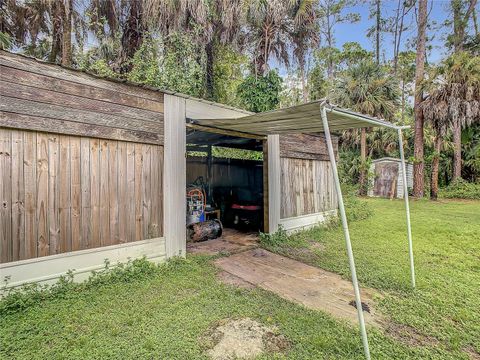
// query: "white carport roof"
[[315, 117], [304, 118]]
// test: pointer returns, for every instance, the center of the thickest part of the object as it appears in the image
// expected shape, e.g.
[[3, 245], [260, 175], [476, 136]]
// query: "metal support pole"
[[407, 206], [346, 232]]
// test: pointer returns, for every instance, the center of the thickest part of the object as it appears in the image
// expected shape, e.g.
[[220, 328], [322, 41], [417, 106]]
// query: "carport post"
[[407, 206], [346, 232]]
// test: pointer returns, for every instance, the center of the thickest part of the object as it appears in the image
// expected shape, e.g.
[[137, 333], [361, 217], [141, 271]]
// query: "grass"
[[443, 310], [163, 312]]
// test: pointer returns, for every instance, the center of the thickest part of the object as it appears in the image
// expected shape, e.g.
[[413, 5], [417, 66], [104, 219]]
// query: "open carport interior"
[[224, 177]]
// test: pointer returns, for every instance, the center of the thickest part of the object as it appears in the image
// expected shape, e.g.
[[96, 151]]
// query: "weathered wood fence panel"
[[48, 98], [306, 180], [307, 187], [61, 193]]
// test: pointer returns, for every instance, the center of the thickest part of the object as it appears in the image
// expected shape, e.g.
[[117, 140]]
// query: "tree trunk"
[[457, 150], [460, 21], [419, 165], [435, 166], [209, 80], [377, 34], [67, 34], [56, 25], [363, 156], [304, 82], [132, 37]]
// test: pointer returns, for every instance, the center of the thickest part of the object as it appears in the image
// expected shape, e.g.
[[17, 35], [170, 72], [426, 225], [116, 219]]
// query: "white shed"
[[386, 178]]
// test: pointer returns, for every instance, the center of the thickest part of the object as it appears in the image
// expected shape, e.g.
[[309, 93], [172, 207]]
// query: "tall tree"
[[367, 88], [332, 13], [304, 37], [454, 98], [419, 163], [269, 31], [461, 14], [403, 8]]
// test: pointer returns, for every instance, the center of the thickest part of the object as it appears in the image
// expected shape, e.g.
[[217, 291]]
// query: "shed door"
[[386, 175]]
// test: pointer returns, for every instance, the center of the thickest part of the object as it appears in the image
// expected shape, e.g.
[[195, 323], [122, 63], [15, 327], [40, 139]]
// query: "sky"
[[438, 13], [357, 32]]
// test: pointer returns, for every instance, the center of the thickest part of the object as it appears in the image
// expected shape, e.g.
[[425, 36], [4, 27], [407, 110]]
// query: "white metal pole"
[[346, 232], [407, 206]]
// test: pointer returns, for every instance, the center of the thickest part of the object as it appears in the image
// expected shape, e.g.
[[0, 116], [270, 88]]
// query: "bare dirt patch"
[[243, 339], [472, 353], [409, 335]]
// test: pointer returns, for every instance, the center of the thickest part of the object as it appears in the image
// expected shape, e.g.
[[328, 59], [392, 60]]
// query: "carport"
[[316, 117]]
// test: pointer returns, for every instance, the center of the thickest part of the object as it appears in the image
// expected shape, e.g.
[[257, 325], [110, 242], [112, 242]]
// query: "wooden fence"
[[81, 160], [306, 180], [64, 193]]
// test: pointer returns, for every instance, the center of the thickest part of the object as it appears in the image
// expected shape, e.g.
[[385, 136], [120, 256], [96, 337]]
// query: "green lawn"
[[163, 312]]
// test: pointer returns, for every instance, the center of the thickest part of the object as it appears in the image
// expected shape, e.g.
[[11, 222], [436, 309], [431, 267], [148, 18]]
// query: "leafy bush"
[[355, 207], [260, 93], [274, 240], [461, 189], [21, 298]]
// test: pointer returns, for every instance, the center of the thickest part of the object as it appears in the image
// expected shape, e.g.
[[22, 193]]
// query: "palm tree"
[[453, 101], [368, 89], [123, 22], [270, 26], [305, 35]]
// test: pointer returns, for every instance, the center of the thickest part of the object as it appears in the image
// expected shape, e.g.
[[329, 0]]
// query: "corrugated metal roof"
[[304, 118]]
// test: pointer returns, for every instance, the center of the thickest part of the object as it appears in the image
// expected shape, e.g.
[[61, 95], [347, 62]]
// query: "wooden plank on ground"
[[29, 250]]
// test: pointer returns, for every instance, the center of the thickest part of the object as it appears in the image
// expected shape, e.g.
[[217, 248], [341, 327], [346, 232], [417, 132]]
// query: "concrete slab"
[[231, 241], [295, 281]]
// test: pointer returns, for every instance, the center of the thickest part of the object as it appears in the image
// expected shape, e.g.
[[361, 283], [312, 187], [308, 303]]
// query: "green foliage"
[[368, 89], [261, 93], [228, 70], [317, 84], [22, 298], [441, 311], [100, 68], [165, 313], [279, 238], [5, 41], [175, 64], [355, 207], [461, 189], [231, 153]]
